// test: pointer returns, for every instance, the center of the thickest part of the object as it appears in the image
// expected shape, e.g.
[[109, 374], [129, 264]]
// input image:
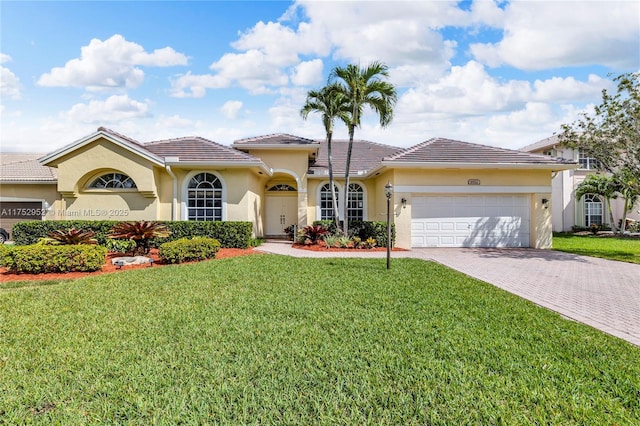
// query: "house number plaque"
[[473, 182]]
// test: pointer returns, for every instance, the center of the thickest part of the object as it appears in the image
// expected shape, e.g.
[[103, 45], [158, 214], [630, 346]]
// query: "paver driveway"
[[604, 294]]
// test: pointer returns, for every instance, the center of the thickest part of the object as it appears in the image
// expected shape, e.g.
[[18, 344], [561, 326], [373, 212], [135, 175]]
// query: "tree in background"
[[611, 135], [363, 86], [331, 104]]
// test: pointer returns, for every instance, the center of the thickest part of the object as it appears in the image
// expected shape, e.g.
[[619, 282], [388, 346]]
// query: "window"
[[592, 210], [113, 180], [282, 187], [326, 203], [586, 162], [204, 197], [355, 204]]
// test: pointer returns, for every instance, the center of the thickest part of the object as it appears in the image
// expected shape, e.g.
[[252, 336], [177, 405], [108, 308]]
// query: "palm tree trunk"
[[334, 198], [345, 223]]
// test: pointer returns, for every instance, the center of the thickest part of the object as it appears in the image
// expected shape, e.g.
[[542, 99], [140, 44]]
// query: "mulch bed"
[[6, 276], [323, 248]]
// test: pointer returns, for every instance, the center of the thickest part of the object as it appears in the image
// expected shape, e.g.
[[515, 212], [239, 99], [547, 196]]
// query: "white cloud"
[[110, 64], [195, 86], [114, 109], [542, 35], [557, 89], [307, 73], [9, 83], [230, 109]]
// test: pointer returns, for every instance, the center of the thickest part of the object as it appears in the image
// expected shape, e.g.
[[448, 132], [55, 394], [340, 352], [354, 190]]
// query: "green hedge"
[[364, 230], [185, 250], [230, 234], [37, 259]]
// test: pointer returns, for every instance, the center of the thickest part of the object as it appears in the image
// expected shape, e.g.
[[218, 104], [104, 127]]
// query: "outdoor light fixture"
[[388, 192], [404, 203], [545, 202]]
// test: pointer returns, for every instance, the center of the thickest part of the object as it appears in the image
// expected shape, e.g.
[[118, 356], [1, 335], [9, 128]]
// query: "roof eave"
[[30, 182], [220, 164], [456, 165]]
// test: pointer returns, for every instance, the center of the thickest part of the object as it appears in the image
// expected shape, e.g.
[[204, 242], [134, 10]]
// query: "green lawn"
[[275, 340], [622, 249]]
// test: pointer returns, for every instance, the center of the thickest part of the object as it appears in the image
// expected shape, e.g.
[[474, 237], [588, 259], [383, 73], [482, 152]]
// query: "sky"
[[499, 73]]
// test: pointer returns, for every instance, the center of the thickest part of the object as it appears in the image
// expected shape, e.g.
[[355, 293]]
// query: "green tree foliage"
[[611, 134], [363, 86], [331, 103]]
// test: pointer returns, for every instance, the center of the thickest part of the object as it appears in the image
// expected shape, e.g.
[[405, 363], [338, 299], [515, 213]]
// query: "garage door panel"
[[470, 221]]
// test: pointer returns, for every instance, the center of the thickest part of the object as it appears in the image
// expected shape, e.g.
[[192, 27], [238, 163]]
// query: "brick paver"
[[602, 293]]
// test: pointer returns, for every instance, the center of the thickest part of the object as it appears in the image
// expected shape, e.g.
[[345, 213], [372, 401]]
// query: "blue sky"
[[500, 73]]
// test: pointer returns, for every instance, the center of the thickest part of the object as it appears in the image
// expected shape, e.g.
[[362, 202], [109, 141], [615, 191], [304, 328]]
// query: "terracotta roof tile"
[[364, 157], [195, 148], [276, 139], [441, 150], [25, 168]]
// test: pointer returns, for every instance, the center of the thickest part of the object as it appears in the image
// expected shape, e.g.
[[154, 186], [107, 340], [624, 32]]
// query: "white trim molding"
[[472, 189]]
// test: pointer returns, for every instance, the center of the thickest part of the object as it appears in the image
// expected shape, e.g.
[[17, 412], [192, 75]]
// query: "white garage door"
[[470, 221]]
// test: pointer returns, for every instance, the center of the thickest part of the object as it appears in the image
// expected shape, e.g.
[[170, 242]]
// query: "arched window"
[[113, 180], [592, 210], [326, 203], [282, 187], [355, 204], [204, 197]]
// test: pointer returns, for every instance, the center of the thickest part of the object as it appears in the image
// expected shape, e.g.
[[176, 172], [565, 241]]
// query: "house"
[[446, 193], [567, 211]]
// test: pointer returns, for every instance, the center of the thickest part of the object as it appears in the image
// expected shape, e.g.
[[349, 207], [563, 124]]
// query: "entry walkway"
[[602, 293]]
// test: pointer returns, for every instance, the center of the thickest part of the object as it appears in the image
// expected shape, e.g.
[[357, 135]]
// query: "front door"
[[282, 211]]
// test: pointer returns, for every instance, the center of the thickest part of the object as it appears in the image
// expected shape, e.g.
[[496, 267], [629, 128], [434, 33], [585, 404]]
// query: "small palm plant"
[[142, 232], [71, 236]]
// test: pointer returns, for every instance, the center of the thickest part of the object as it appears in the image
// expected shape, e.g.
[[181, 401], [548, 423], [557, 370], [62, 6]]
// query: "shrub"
[[345, 242], [71, 236], [331, 240], [121, 246], [230, 234], [36, 259], [313, 233], [184, 250], [141, 231], [3, 253], [29, 232]]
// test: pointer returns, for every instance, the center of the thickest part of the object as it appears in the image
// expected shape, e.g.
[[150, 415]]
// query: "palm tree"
[[332, 104], [604, 186], [363, 87]]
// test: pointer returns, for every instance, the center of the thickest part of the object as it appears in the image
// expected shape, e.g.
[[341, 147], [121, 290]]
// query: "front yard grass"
[[274, 340], [612, 248]]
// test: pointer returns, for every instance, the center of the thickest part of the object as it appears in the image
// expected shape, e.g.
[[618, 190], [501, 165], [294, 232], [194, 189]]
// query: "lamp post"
[[388, 192]]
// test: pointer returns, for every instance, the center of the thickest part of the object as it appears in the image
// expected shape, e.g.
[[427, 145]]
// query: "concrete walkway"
[[602, 293]]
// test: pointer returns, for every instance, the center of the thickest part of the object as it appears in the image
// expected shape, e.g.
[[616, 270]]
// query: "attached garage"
[[471, 221]]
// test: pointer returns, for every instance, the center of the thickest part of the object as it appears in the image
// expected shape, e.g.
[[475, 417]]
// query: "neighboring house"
[[567, 211], [27, 189], [446, 193]]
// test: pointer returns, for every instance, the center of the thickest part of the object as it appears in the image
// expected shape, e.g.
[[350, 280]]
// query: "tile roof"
[[365, 156], [276, 139], [544, 143], [441, 150], [25, 168], [198, 149]]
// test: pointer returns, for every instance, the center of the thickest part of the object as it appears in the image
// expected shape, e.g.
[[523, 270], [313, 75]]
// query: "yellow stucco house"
[[446, 193]]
